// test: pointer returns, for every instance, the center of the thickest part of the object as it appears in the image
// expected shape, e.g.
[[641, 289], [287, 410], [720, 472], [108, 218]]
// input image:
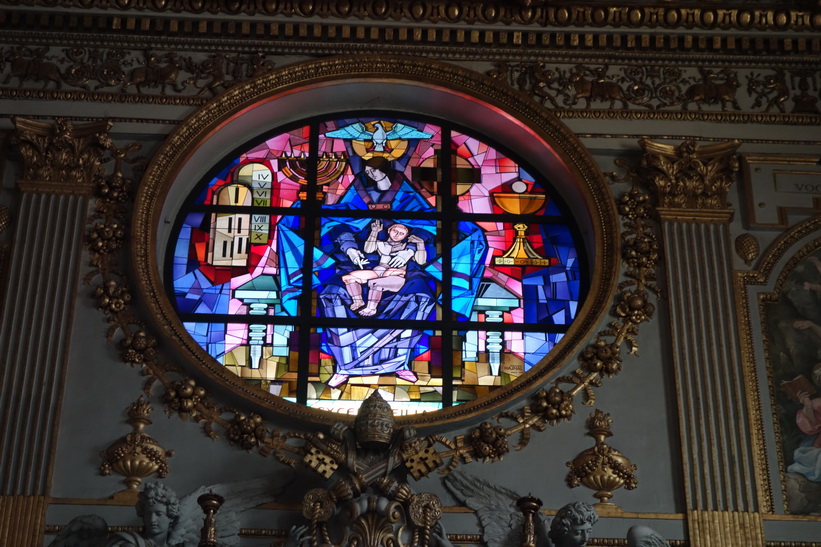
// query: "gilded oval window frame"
[[375, 82]]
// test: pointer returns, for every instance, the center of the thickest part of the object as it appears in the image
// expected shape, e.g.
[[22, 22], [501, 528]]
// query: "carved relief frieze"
[[664, 87], [625, 90], [134, 72]]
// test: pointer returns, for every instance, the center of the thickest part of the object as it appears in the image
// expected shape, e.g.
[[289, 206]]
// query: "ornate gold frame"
[[176, 150], [745, 283]]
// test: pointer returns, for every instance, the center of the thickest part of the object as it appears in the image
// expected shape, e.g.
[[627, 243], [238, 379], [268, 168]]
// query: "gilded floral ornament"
[[112, 297], [136, 455], [247, 432], [184, 397], [488, 442], [138, 348], [601, 468]]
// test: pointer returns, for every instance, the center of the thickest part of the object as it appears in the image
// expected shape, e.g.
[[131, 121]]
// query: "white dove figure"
[[379, 137]]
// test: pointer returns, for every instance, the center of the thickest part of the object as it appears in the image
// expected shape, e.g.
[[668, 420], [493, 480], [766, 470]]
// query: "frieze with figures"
[[577, 89]]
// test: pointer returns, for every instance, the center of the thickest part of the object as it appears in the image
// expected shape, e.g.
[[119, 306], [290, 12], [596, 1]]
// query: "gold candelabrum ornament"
[[136, 455], [210, 504], [602, 467], [529, 506]]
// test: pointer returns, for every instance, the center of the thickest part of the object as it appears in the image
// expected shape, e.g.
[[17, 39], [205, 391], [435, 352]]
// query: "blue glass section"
[[537, 346], [291, 249], [468, 265]]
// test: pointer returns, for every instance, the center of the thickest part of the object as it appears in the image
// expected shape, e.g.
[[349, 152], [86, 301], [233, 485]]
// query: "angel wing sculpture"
[[495, 507], [502, 519], [172, 522]]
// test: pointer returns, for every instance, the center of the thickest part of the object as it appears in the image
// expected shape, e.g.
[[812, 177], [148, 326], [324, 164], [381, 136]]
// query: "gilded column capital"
[[689, 181], [60, 158]]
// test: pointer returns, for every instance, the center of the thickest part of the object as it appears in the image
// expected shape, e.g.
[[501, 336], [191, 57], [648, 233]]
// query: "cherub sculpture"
[[572, 525], [503, 521], [172, 522]]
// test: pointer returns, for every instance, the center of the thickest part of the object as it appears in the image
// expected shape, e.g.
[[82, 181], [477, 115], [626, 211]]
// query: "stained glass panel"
[[354, 254]]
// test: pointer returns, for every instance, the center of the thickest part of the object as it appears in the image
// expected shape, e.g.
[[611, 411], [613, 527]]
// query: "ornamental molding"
[[396, 70], [693, 90], [739, 16], [191, 399], [773, 269]]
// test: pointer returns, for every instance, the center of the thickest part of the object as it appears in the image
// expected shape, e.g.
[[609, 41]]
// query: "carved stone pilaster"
[[59, 165], [690, 184], [725, 528], [22, 520], [62, 158], [689, 181]]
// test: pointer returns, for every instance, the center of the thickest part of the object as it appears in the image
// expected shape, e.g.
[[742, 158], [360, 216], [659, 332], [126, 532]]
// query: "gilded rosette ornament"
[[601, 468], [136, 455]]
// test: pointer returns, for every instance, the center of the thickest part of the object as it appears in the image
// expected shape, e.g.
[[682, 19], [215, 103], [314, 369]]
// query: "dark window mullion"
[[449, 203], [309, 227]]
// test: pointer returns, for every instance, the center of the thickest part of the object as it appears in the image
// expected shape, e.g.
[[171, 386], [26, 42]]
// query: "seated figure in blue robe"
[[374, 269]]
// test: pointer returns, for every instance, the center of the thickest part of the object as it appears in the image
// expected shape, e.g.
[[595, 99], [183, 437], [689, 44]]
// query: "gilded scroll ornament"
[[136, 455], [602, 467]]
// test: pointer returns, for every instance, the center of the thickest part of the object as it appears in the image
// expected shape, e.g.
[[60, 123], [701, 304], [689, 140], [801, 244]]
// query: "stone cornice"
[[748, 16]]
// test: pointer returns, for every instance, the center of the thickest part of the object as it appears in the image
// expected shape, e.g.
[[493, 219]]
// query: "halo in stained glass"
[[376, 252]]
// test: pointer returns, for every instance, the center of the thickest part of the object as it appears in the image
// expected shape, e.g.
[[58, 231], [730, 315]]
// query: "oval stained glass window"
[[357, 253]]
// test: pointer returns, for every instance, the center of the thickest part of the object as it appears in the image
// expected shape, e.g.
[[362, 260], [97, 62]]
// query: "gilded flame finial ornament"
[[689, 176], [602, 467], [136, 455]]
